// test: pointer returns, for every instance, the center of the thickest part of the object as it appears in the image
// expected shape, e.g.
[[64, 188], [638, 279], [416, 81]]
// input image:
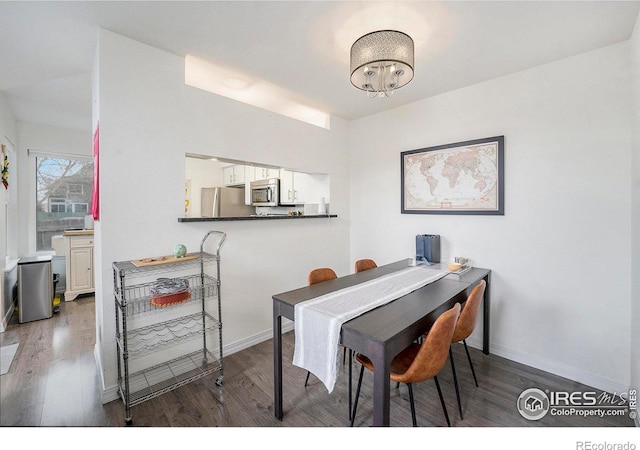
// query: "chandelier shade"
[[381, 62]]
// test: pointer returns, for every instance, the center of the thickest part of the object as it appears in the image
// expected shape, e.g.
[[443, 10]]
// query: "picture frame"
[[460, 178]]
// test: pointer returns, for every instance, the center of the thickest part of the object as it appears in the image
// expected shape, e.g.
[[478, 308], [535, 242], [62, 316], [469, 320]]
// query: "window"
[[81, 208], [63, 196], [57, 205]]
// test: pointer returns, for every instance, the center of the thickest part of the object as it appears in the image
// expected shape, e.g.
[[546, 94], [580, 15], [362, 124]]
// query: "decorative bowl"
[[179, 251], [453, 266]]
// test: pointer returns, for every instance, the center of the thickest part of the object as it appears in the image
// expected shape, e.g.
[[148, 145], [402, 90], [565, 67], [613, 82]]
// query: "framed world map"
[[460, 178]]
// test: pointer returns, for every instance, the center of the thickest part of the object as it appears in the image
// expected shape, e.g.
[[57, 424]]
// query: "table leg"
[[277, 363], [486, 317], [381, 389]]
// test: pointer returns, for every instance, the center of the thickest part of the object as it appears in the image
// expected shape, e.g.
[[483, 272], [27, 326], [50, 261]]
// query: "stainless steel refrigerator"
[[224, 202], [35, 288]]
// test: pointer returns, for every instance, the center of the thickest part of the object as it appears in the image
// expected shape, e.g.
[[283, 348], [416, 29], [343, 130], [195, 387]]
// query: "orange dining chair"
[[365, 264], [465, 326], [419, 362]]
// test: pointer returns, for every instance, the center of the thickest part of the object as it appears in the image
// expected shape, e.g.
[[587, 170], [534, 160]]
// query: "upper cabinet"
[[234, 175], [298, 188], [237, 174], [288, 193], [263, 173]]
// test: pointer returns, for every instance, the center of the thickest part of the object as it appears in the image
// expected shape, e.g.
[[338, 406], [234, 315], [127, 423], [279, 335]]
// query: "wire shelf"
[[157, 380], [132, 270], [167, 334], [137, 298], [193, 283]]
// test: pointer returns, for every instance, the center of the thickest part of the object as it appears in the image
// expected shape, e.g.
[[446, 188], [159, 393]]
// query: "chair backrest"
[[365, 264], [434, 350], [321, 274], [468, 317]]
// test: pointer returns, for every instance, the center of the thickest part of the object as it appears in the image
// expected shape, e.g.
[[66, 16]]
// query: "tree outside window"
[[63, 196]]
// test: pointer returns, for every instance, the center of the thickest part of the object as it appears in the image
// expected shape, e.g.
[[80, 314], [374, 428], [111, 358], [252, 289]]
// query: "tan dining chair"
[[419, 362], [365, 264], [321, 274], [465, 326]]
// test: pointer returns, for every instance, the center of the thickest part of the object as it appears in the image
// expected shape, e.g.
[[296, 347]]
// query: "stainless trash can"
[[35, 288]]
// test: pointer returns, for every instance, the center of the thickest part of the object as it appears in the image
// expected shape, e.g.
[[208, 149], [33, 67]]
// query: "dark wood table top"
[[386, 330]]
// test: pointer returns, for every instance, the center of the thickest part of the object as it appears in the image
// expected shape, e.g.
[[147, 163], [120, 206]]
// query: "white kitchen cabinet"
[[292, 187], [234, 175], [263, 173], [298, 187], [79, 264]]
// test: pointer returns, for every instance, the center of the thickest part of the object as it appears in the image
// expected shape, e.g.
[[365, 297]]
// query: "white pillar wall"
[[148, 120]]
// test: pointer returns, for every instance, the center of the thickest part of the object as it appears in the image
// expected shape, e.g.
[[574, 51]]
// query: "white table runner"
[[318, 321]]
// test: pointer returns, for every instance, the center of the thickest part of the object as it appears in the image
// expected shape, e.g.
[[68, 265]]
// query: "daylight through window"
[[63, 196]]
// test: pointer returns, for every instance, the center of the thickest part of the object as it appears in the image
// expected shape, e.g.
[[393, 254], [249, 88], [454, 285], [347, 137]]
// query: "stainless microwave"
[[265, 192]]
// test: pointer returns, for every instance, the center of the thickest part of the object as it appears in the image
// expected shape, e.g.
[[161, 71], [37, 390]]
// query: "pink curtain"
[[95, 195]]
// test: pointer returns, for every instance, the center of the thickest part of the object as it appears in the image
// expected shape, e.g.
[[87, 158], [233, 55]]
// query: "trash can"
[[35, 288]]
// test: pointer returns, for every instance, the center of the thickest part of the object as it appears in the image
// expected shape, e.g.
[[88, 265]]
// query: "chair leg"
[[413, 406], [455, 382], [355, 403], [444, 407], [307, 379], [470, 362], [350, 382]]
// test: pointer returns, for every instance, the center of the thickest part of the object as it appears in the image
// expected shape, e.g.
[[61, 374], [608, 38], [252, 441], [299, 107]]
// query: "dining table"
[[382, 332]]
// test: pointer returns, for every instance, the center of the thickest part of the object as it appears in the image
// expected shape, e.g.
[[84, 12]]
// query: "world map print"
[[456, 178]]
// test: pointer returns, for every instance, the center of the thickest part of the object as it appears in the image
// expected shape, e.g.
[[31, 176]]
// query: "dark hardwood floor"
[[52, 382]]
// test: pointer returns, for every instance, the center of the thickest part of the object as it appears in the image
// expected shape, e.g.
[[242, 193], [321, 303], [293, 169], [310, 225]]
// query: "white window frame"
[[86, 207], [57, 201], [31, 165]]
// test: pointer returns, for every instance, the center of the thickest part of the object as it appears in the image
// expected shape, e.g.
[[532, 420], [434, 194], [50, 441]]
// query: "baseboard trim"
[[110, 393], [553, 367], [7, 317], [254, 340]]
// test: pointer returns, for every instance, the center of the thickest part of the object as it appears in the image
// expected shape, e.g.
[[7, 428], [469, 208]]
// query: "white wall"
[[635, 219], [148, 120], [8, 205], [560, 255]]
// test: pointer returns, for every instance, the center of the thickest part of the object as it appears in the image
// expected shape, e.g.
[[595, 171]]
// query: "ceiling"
[[47, 48]]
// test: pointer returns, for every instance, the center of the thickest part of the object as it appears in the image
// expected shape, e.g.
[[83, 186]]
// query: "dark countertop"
[[256, 217]]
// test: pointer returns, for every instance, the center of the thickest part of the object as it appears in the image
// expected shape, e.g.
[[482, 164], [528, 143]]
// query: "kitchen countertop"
[[255, 217], [77, 232]]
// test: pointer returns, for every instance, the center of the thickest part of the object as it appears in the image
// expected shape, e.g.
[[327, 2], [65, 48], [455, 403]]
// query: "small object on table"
[[179, 251], [459, 265]]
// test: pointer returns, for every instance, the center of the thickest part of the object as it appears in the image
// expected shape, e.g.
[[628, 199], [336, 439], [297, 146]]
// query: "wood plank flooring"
[[53, 383]]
